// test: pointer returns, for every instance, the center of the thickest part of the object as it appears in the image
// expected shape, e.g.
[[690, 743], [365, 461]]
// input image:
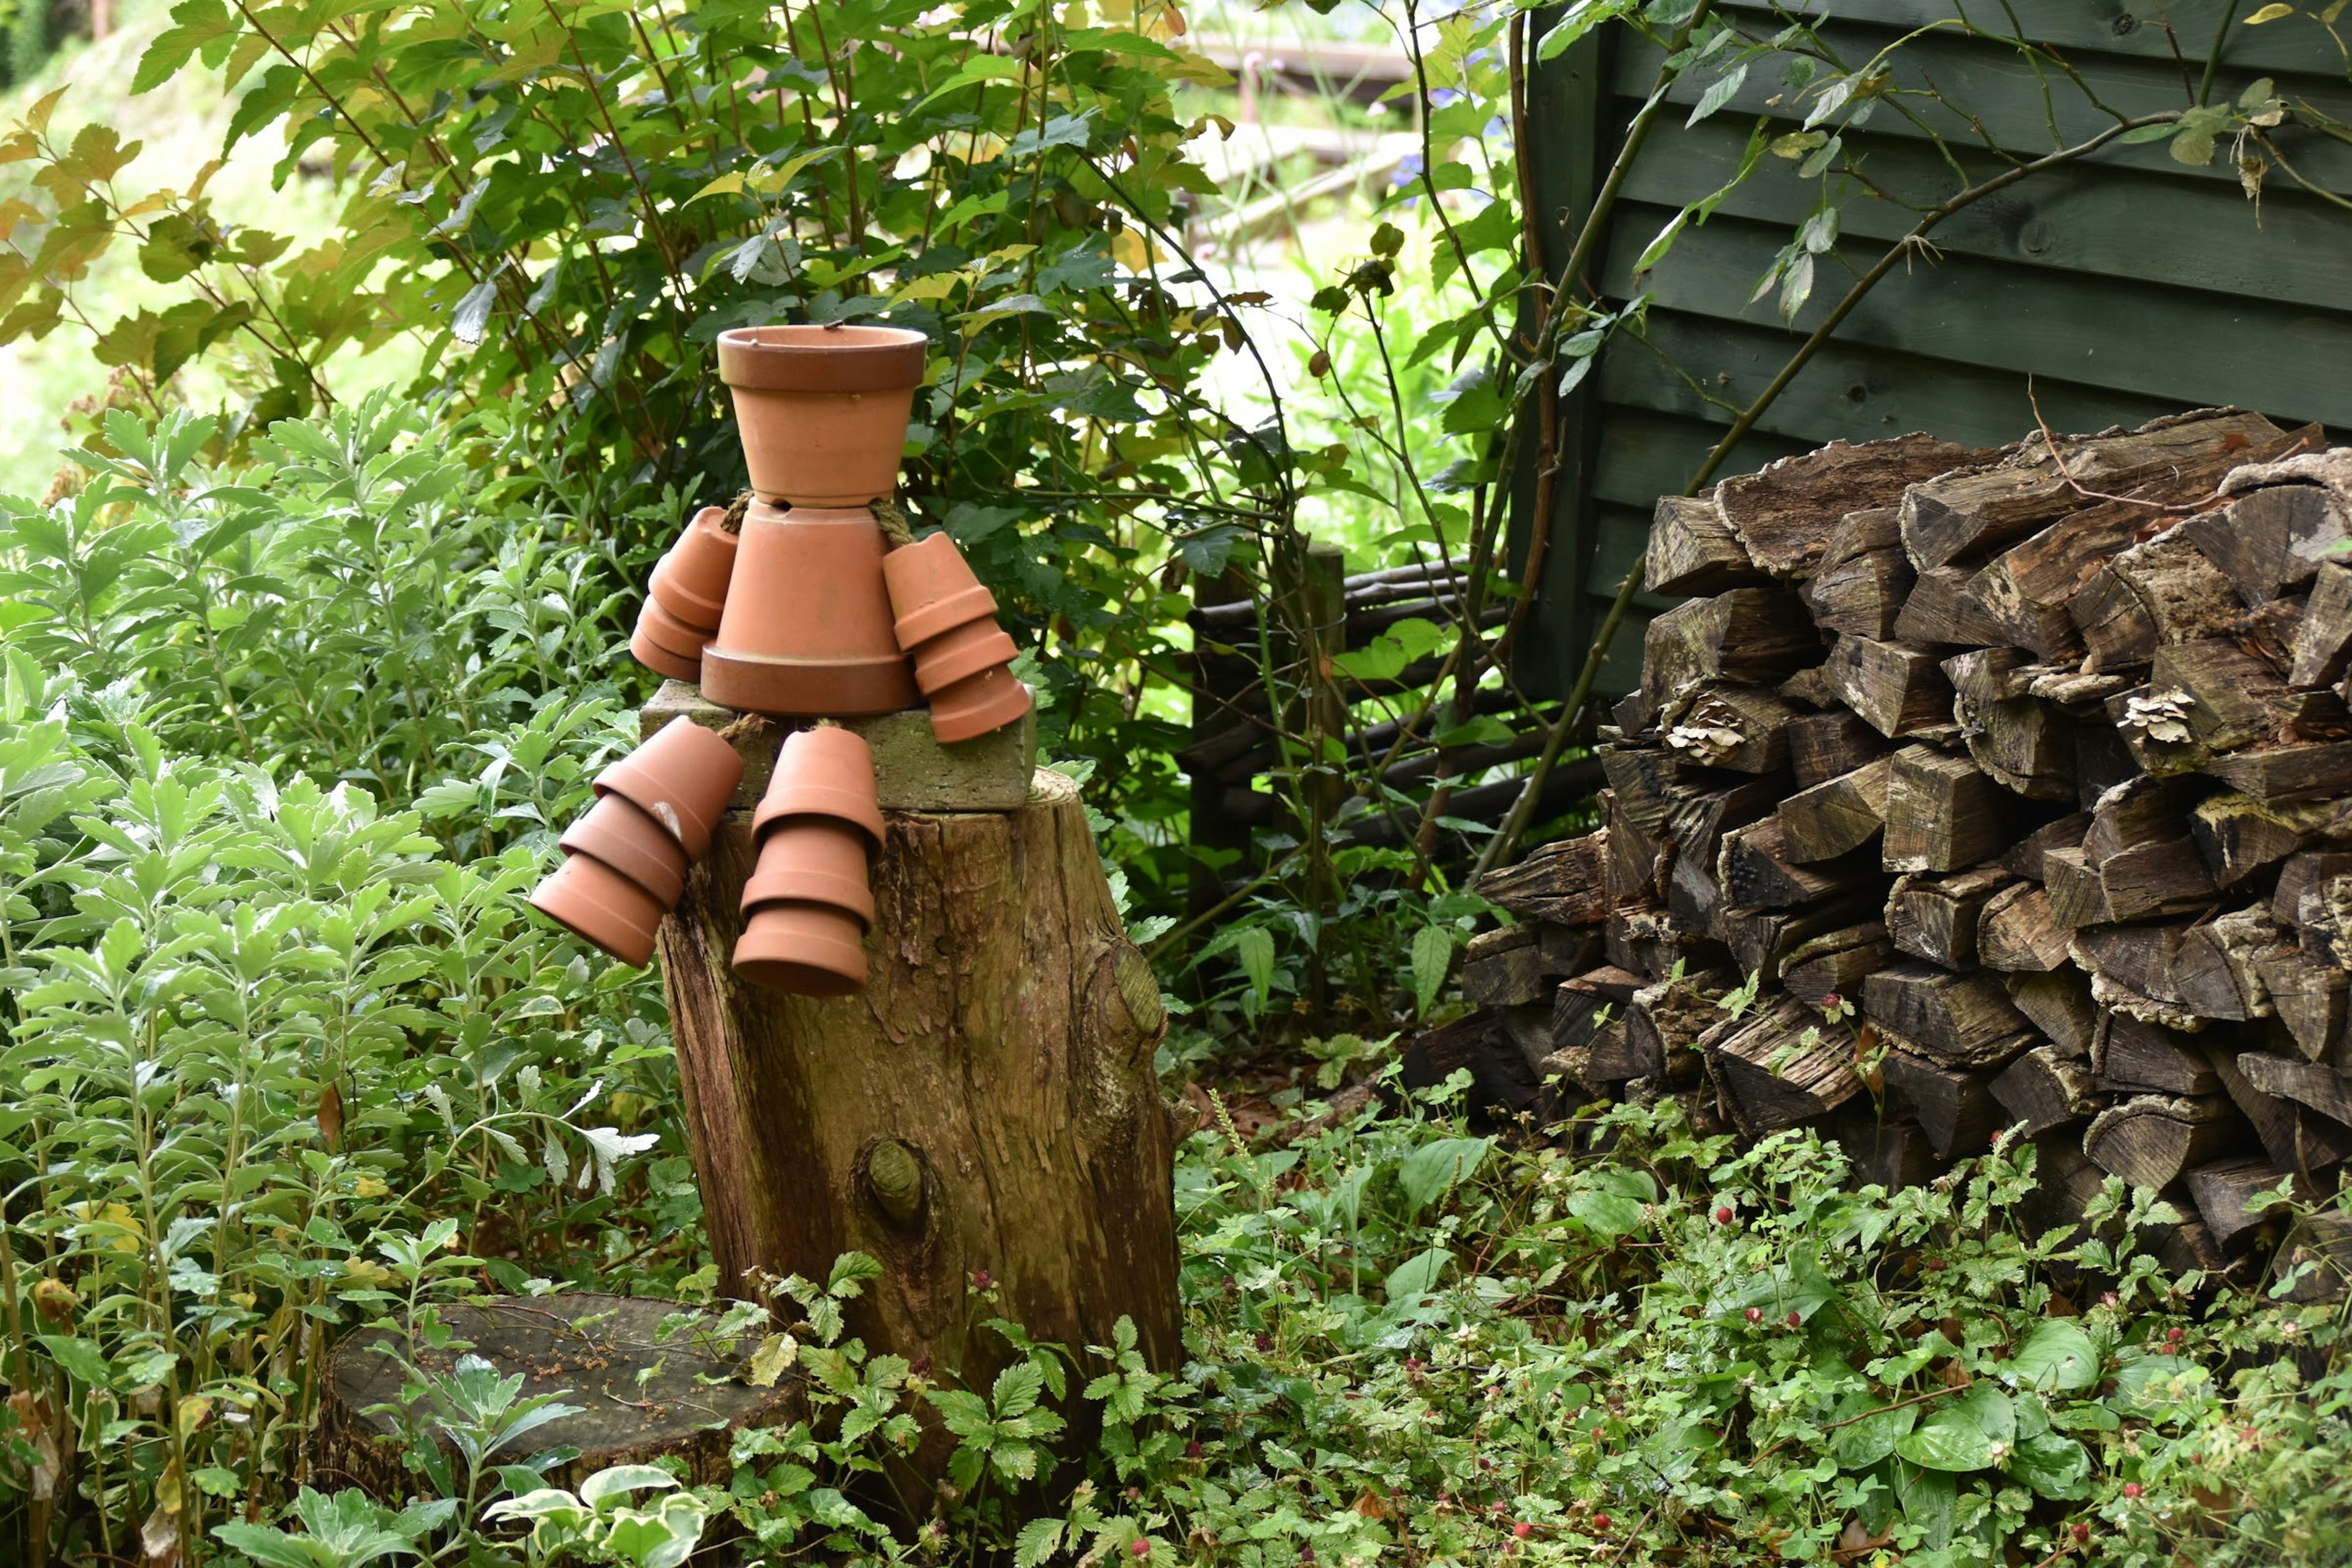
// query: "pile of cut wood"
[[2006, 788]]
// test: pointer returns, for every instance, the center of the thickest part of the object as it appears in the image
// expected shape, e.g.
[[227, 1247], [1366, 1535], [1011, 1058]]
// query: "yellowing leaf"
[[729, 184], [2270, 12], [1132, 249]]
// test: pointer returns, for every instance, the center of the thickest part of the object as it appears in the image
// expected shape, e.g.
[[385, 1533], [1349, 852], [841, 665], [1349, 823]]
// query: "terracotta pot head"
[[808, 948], [812, 860], [822, 410], [682, 778], [601, 907], [826, 773], [807, 628], [624, 838], [932, 590], [691, 582], [659, 660]]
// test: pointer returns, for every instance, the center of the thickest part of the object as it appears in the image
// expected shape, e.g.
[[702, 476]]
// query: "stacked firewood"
[[1974, 791]]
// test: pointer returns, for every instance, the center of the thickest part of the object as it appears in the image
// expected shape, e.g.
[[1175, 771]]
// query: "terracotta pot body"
[[807, 628], [691, 582], [669, 634], [601, 907], [932, 590], [659, 660], [812, 860], [824, 772], [823, 411], [973, 707], [682, 778], [624, 838], [809, 949], [970, 649]]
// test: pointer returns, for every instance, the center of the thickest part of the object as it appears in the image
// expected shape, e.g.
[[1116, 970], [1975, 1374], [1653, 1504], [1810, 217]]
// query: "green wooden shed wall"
[[2122, 287]]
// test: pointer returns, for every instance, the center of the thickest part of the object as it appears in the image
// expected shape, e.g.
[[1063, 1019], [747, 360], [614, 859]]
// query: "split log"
[[1564, 882], [1838, 816], [2137, 958], [2314, 1264], [988, 1101], [2150, 1139], [2322, 1088], [2131, 1055], [1828, 969], [1858, 532], [644, 1390], [1642, 779], [1783, 1067], [1954, 1107], [2314, 897], [1740, 728], [1512, 966], [2271, 541], [1585, 1005], [1897, 688], [2202, 699], [2160, 591], [2313, 1001], [1669, 1015], [1635, 860], [1889, 1154], [2026, 744], [1691, 549], [1642, 939], [1777, 511], [1757, 872], [1971, 512], [1942, 813], [1503, 1083], [2236, 1196], [1862, 595], [1751, 637], [2238, 835], [2321, 770], [2017, 933], [1824, 746], [1760, 940], [2323, 642], [2045, 1087], [1957, 1020], [2025, 856], [1942, 613], [2060, 1005], [2275, 1120], [1935, 918], [2217, 970]]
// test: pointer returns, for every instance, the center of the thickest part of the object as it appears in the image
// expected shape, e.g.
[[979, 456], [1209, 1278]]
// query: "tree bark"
[[988, 1103]]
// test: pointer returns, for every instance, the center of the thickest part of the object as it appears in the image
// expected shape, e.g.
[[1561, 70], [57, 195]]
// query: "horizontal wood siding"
[[2119, 288]]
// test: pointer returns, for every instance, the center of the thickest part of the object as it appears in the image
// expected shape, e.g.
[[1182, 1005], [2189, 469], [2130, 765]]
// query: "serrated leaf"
[[1432, 957]]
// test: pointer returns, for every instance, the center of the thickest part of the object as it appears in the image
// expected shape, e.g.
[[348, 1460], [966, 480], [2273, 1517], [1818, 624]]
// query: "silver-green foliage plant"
[[279, 752]]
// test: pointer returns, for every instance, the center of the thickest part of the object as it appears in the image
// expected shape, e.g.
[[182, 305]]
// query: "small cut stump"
[[643, 1395]]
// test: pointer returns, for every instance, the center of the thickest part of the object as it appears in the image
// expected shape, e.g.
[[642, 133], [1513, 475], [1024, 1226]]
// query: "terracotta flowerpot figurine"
[[685, 596], [624, 861], [809, 904], [807, 626], [945, 619], [822, 410], [682, 778]]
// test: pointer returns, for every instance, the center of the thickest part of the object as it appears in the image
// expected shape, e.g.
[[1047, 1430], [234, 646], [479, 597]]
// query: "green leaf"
[[1948, 1440], [2053, 1466], [1577, 21], [2056, 1357], [1039, 1540], [472, 320], [82, 1360], [1430, 1169], [618, 1480], [1254, 948], [1433, 956], [1417, 1276], [1718, 93]]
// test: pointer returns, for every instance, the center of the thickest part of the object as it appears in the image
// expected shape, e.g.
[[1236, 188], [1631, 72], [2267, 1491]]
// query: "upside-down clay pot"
[[624, 838], [658, 658], [946, 620], [932, 590], [822, 410], [974, 706], [813, 949], [682, 778], [812, 860], [807, 626], [602, 906], [827, 772], [690, 580]]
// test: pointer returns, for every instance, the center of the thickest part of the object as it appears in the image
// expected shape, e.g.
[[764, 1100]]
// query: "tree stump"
[[642, 1395], [988, 1104]]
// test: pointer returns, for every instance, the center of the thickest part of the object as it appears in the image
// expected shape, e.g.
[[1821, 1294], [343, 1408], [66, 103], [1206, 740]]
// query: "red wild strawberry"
[[1523, 1529], [1755, 1314], [1192, 1449], [2131, 1489], [1723, 1215], [1601, 1523], [1264, 1344], [2174, 1335], [2081, 1534], [2167, 1349], [982, 1279], [1141, 1549], [1796, 1319]]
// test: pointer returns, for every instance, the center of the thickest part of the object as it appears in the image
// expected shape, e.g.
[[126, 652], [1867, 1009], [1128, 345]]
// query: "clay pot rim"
[[940, 668], [807, 357], [659, 856], [664, 630], [768, 969], [856, 900], [580, 875], [627, 777], [949, 727], [660, 661], [823, 802]]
